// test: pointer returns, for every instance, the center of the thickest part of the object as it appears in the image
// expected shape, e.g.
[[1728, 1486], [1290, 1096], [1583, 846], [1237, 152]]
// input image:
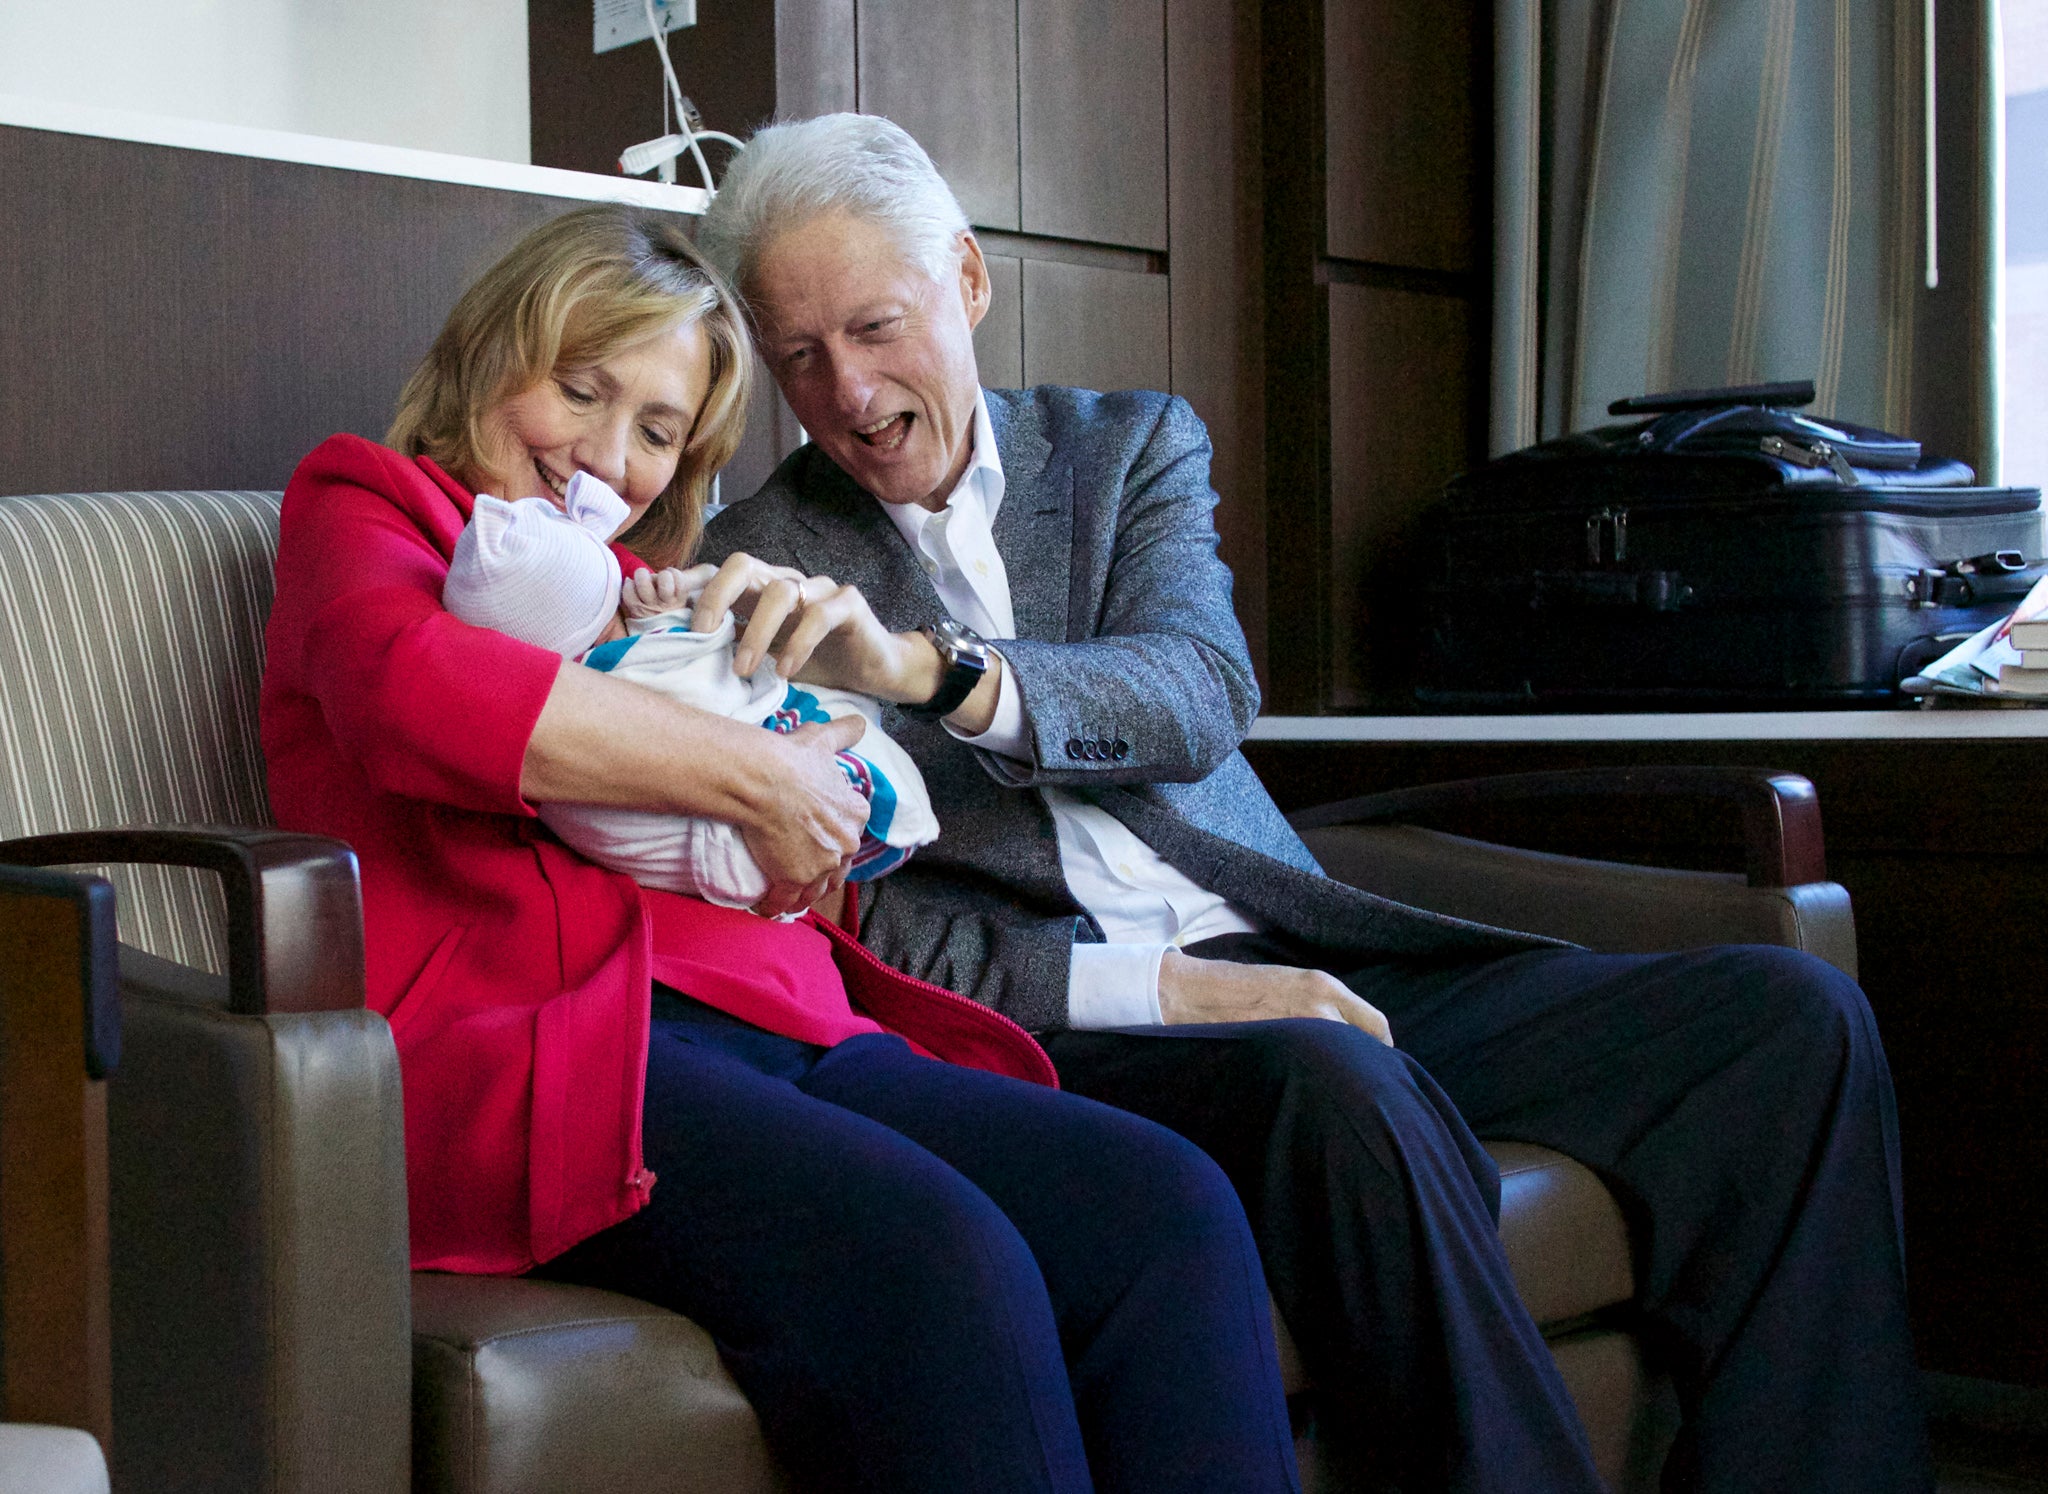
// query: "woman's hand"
[[601, 740], [817, 631], [808, 826]]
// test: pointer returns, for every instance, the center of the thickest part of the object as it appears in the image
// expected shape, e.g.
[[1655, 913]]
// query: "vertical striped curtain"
[[1694, 193]]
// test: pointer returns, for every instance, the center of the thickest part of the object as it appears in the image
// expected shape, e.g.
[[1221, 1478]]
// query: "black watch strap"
[[966, 660]]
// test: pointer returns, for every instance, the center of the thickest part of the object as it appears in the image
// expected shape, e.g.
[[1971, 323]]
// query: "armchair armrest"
[[1783, 898], [79, 911], [295, 909], [259, 1273], [1780, 813]]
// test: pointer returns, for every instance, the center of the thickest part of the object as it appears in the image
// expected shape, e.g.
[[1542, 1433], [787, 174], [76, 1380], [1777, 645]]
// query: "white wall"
[[2023, 452], [446, 75]]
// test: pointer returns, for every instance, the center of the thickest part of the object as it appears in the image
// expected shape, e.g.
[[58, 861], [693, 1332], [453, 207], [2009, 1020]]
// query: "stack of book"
[[2030, 675], [2005, 664]]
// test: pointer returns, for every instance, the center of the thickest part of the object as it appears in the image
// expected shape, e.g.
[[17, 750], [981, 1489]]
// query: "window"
[[2025, 444]]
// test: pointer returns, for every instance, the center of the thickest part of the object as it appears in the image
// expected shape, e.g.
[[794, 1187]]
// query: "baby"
[[548, 578]]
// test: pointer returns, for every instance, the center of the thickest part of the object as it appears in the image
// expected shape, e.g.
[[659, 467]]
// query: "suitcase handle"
[[1644, 591], [1795, 392], [2001, 576]]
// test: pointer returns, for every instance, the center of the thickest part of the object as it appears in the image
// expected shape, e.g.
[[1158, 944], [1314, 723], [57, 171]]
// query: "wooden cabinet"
[[1093, 327], [1051, 322], [947, 73], [1401, 376], [1375, 317], [1398, 124], [999, 340], [1046, 117], [1093, 120]]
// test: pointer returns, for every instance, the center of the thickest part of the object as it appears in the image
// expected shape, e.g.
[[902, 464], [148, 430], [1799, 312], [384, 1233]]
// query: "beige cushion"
[[131, 655], [1625, 1403], [1603, 905], [1562, 1233], [534, 1387]]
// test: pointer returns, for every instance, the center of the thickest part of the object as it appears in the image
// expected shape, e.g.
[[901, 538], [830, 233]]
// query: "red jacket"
[[515, 974]]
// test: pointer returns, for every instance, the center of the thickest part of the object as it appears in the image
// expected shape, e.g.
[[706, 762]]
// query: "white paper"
[[620, 23]]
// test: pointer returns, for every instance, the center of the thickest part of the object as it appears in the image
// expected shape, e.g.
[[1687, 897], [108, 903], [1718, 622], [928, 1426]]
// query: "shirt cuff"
[[1114, 985], [1007, 735]]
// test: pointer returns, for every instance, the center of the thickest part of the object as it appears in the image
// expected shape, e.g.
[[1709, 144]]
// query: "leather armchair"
[[256, 1160], [268, 1334], [1565, 1236], [59, 1038]]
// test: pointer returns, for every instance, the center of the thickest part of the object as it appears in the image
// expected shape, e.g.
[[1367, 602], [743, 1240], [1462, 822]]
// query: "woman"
[[925, 1274]]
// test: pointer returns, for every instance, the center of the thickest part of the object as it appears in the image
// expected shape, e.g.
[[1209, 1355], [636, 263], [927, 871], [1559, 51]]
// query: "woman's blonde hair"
[[571, 293]]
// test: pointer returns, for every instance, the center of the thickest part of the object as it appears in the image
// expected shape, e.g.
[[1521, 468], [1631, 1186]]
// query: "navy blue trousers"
[[928, 1278], [1737, 1102]]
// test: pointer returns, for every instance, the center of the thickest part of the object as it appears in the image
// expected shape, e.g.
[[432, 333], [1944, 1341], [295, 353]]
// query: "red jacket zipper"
[[1039, 1060]]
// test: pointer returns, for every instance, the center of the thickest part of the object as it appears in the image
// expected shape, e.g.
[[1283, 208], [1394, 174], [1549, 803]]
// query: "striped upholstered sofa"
[[268, 1335]]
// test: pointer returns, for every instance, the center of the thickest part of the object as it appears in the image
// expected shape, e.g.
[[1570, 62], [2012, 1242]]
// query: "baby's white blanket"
[[708, 858]]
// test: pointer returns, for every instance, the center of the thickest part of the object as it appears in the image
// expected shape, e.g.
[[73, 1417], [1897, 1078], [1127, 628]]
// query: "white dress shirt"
[[1144, 906]]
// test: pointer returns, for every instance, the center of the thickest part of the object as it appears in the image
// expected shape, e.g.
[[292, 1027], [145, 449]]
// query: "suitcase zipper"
[[1820, 454], [1597, 524]]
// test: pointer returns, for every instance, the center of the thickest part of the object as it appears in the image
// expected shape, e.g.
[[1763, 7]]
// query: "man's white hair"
[[861, 164]]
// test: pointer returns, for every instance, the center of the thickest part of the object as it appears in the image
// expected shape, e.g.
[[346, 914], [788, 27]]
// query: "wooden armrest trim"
[[295, 909], [88, 903], [1781, 834]]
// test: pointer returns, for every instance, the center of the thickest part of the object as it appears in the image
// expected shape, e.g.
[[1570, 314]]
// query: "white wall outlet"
[[620, 23]]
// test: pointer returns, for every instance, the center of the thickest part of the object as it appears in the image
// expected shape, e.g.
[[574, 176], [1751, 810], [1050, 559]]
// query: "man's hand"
[[823, 633], [1192, 990], [816, 631], [809, 823]]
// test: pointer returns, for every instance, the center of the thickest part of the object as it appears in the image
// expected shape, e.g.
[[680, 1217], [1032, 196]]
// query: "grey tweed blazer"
[[1126, 638]]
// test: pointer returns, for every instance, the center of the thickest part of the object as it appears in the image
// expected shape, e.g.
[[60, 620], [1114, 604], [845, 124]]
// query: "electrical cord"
[[686, 114]]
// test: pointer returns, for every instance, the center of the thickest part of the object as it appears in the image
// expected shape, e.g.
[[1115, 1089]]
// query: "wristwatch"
[[965, 655]]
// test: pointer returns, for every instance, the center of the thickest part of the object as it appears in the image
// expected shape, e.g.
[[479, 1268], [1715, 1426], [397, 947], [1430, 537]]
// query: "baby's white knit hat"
[[541, 575]]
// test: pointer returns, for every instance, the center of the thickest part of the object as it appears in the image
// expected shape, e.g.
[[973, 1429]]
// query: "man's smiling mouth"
[[886, 434]]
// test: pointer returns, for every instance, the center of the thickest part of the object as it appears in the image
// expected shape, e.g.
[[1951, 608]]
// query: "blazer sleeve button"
[[1073, 747], [1120, 749]]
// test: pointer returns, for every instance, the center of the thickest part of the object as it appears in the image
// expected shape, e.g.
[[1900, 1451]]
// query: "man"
[[1111, 874]]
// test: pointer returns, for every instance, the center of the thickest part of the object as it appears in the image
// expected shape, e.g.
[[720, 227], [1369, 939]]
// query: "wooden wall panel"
[[180, 319], [1402, 95], [948, 74], [1092, 92], [742, 65], [1095, 328], [814, 53], [1296, 357], [1217, 304], [772, 434], [999, 340], [588, 106], [1401, 370]]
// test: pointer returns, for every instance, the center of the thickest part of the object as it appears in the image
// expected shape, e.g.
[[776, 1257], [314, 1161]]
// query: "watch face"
[[966, 659], [959, 642]]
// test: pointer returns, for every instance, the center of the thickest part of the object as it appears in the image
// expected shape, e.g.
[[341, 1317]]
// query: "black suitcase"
[[1725, 552]]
